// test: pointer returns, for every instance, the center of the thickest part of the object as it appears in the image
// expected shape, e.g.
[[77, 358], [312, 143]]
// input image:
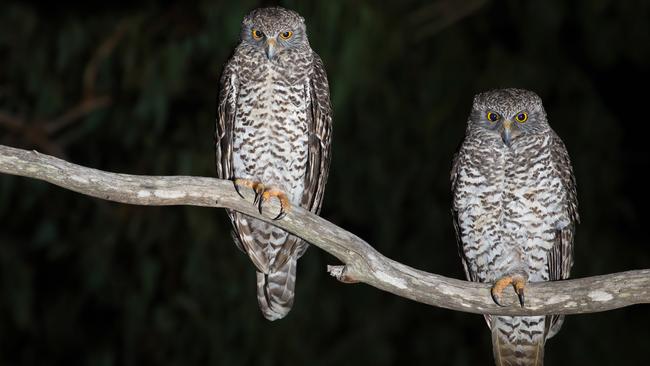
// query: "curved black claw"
[[237, 190], [281, 215], [284, 202], [518, 282], [520, 295], [258, 200], [497, 300]]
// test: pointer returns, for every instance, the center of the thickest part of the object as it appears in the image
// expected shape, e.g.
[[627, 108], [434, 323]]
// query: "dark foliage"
[[87, 282]]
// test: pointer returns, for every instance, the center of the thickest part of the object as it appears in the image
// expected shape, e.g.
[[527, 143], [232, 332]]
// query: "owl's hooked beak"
[[271, 48], [506, 133]]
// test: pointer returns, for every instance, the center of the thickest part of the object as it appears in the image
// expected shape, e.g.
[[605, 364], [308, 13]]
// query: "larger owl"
[[515, 212], [273, 135]]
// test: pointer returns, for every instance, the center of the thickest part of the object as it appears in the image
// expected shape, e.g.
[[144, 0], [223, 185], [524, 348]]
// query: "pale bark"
[[362, 263]]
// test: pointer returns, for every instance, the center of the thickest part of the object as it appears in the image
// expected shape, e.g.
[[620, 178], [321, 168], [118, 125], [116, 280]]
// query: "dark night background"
[[132, 88]]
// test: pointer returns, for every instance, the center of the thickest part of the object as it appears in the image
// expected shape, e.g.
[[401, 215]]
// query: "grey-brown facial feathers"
[[274, 15], [272, 22], [509, 100], [508, 105]]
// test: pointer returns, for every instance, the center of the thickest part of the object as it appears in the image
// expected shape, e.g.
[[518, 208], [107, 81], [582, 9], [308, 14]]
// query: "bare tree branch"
[[437, 16], [102, 52], [87, 105], [32, 132], [41, 133], [362, 262]]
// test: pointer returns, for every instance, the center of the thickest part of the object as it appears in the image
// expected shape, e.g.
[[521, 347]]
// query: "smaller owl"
[[515, 212], [273, 135]]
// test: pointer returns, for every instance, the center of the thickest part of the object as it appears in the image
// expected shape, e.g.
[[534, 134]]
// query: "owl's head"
[[274, 30], [509, 113]]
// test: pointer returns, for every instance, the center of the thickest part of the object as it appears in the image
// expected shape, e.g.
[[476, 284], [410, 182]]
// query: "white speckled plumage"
[[274, 127], [515, 211]]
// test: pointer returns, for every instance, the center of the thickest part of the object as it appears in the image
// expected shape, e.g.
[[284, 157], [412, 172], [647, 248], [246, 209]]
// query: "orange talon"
[[517, 281], [257, 187], [263, 194], [498, 287], [519, 284], [285, 205]]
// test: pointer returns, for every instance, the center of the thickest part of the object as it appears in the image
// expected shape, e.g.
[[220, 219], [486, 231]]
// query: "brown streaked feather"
[[469, 275], [275, 290], [519, 352], [320, 134], [454, 214], [318, 161], [560, 258], [563, 167], [226, 112]]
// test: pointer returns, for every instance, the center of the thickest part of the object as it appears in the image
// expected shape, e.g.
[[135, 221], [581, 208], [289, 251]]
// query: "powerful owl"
[[273, 135], [515, 212]]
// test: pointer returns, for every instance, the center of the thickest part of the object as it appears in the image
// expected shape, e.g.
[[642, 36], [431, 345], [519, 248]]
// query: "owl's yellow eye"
[[286, 35], [493, 117], [257, 35], [521, 117]]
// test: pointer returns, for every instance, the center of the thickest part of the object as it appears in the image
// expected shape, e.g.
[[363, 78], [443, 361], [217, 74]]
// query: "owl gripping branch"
[[273, 135], [362, 262]]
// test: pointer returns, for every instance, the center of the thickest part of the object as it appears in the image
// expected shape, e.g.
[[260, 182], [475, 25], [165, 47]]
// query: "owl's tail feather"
[[512, 346], [275, 290]]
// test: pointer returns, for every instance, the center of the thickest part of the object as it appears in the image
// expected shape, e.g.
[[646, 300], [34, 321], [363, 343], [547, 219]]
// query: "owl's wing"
[[320, 137], [457, 161], [226, 111], [560, 258], [223, 140], [561, 255], [454, 213]]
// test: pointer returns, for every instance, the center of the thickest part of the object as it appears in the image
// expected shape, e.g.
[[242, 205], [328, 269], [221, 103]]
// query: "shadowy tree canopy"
[[132, 88]]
